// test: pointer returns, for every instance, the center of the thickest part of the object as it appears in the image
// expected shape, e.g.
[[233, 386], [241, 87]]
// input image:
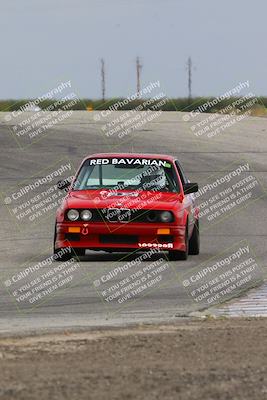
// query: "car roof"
[[133, 155]]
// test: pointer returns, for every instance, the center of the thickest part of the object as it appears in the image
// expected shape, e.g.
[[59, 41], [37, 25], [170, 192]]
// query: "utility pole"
[[138, 73], [189, 69], [103, 80]]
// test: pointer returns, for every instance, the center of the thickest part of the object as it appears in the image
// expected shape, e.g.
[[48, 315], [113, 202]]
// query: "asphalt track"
[[82, 134]]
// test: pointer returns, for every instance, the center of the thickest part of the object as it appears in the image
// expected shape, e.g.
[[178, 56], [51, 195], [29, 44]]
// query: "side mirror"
[[64, 184], [190, 188]]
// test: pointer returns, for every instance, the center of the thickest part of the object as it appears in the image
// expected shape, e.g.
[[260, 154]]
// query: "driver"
[[156, 180]]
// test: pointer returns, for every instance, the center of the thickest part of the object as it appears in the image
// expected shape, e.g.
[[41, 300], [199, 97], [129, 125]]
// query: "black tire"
[[59, 254], [79, 252], [175, 255], [194, 242]]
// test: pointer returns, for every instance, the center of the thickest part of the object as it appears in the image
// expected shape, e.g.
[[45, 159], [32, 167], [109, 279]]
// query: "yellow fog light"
[[74, 229], [163, 231]]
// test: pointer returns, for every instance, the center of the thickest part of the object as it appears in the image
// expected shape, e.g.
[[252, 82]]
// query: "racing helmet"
[[154, 179]]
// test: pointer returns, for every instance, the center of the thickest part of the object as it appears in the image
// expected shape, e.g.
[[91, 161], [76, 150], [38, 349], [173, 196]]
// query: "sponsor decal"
[[157, 245], [129, 161]]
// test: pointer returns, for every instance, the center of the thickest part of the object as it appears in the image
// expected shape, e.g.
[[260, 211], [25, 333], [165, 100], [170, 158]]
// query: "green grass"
[[177, 104]]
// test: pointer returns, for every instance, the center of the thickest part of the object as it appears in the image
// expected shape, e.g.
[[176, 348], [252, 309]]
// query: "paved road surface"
[[25, 243]]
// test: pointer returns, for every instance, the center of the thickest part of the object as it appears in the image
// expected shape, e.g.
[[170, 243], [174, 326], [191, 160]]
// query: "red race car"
[[123, 202]]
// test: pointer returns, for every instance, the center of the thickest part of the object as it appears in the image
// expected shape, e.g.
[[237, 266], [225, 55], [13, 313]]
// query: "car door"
[[190, 202]]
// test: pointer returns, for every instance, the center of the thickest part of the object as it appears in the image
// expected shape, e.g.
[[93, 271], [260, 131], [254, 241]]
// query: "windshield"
[[127, 173]]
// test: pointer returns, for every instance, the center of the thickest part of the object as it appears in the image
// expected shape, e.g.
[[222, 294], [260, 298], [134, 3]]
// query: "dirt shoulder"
[[203, 359]]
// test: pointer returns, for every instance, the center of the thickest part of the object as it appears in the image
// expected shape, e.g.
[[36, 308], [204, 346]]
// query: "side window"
[[181, 172]]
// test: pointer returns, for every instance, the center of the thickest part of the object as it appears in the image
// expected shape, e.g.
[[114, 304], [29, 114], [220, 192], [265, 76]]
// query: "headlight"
[[152, 216], [86, 215], [166, 216], [73, 215]]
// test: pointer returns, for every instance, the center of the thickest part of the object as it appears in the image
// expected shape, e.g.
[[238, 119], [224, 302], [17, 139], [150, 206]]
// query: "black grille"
[[123, 215], [117, 214], [165, 238], [123, 239], [73, 237]]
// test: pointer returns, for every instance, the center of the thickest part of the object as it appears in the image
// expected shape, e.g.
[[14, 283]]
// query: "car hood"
[[122, 199]]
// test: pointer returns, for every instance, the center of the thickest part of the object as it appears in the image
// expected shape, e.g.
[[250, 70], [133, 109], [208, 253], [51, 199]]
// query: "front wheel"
[[79, 252], [194, 242], [175, 255], [60, 254]]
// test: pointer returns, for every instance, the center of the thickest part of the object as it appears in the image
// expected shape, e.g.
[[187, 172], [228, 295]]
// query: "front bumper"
[[97, 236]]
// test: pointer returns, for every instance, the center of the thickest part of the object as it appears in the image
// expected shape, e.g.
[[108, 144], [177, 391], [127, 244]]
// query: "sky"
[[44, 42]]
